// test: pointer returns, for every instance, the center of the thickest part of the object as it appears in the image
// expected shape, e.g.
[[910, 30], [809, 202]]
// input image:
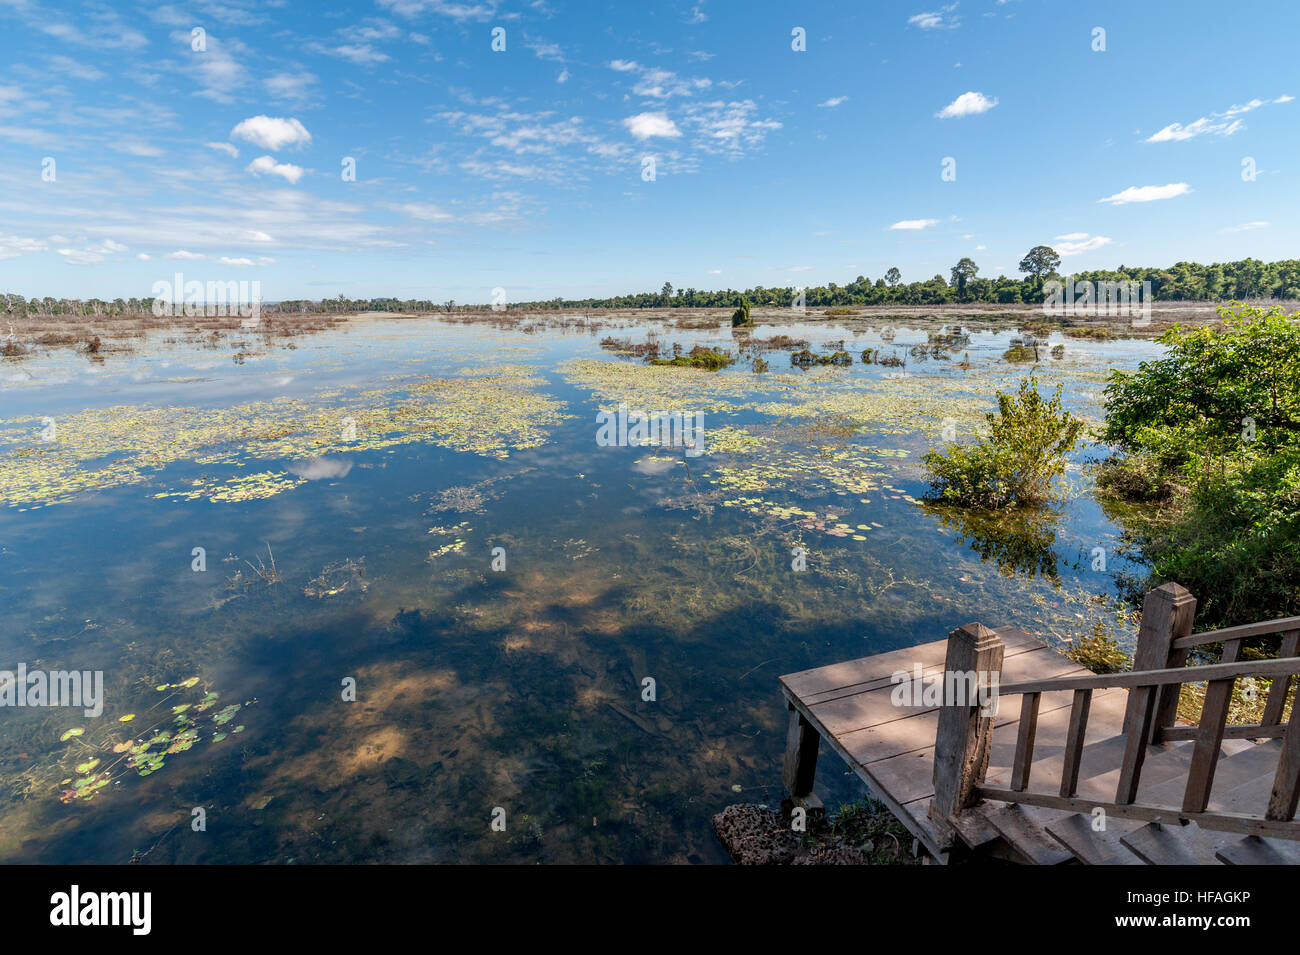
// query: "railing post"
[[1167, 614], [961, 746]]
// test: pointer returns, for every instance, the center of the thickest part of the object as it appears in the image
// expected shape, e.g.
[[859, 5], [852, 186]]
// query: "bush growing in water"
[[741, 315], [1214, 428], [1016, 464]]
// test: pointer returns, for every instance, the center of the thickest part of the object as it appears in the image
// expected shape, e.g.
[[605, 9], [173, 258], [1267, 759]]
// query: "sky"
[[442, 149]]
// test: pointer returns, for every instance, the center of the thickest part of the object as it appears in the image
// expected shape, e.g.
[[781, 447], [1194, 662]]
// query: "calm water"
[[378, 466]]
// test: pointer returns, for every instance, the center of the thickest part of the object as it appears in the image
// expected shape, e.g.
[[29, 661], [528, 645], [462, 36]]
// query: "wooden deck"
[[1064, 744], [891, 748]]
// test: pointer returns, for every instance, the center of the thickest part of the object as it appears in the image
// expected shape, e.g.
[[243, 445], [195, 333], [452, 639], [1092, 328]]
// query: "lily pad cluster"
[[108, 759]]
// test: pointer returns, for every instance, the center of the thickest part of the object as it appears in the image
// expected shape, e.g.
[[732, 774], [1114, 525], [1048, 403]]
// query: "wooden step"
[[1155, 844], [1164, 762], [1239, 767], [1025, 832], [1076, 834], [1251, 850]]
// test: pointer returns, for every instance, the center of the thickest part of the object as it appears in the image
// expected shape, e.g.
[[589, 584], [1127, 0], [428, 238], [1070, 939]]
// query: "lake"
[[354, 593]]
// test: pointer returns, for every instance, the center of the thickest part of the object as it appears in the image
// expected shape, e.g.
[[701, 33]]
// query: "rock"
[[754, 835]]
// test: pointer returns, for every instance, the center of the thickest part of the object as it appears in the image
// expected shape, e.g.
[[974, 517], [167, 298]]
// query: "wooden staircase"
[[1029, 758], [1094, 769]]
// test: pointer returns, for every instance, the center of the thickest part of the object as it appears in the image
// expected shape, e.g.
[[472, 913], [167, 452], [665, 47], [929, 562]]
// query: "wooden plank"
[[1265, 628], [1277, 692], [1141, 710], [1286, 783], [848, 713], [1028, 724], [1155, 844], [1251, 850], [1209, 737], [1231, 731], [863, 671], [1090, 847], [1134, 678], [1079, 708], [1026, 836]]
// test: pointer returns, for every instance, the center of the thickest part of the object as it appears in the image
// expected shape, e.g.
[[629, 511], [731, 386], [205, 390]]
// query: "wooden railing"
[[1164, 640]]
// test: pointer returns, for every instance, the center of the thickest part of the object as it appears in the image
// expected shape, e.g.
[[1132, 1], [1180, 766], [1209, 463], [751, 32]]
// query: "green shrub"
[[741, 315], [1018, 460]]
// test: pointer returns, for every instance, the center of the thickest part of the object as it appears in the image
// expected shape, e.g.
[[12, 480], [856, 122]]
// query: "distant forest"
[[1248, 279]]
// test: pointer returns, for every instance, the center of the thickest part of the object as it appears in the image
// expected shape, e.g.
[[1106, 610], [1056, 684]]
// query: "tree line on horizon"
[[1244, 280]]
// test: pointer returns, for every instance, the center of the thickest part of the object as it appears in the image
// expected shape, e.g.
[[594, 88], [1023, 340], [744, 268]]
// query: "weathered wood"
[[1139, 715], [1276, 704], [1157, 845], [1209, 737], [1074, 741], [1286, 784], [801, 742], [1075, 832], [1251, 851], [1167, 614], [1231, 731], [1244, 823], [1265, 628], [1027, 837], [961, 749], [1025, 740], [1154, 678]]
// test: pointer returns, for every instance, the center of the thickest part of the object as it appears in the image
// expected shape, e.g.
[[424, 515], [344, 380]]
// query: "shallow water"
[[378, 465]]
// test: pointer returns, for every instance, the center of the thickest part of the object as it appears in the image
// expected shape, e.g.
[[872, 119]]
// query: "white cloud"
[[184, 256], [908, 224], [942, 20], [1218, 124], [645, 125], [362, 54], [1076, 242], [226, 260], [143, 256], [833, 102], [271, 132], [1248, 226], [265, 165], [967, 104], [12, 246], [256, 235], [423, 211], [226, 148], [92, 253], [563, 77], [1147, 193]]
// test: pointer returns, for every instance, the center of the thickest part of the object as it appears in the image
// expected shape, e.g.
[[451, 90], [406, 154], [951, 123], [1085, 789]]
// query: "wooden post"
[[961, 746], [801, 742], [1167, 614]]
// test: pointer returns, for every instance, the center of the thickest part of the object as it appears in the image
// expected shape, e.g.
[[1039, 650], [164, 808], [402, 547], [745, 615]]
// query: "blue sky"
[[525, 168]]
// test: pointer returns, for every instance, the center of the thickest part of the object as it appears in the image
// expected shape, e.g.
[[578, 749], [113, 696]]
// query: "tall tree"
[[1040, 262], [893, 276]]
